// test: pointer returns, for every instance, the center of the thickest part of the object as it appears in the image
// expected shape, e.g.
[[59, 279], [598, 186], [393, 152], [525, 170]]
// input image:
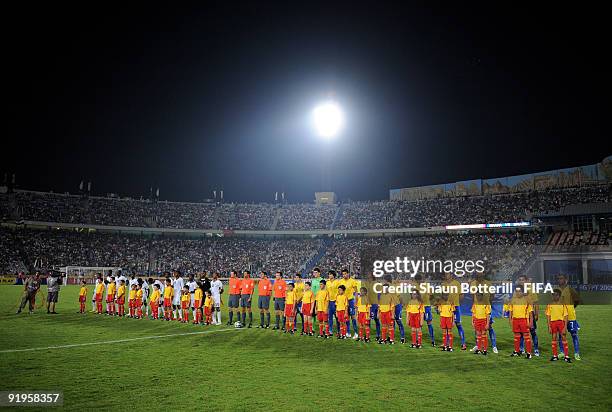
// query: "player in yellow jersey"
[[521, 316], [308, 308], [535, 309], [350, 285], [290, 308], [185, 302], [99, 294], [486, 299], [386, 307], [154, 301], [208, 308], [557, 314], [121, 298], [198, 300], [138, 301], [132, 301], [332, 289], [446, 310], [298, 287], [571, 299], [168, 296], [481, 313], [342, 311], [363, 315], [454, 298], [111, 290], [414, 312], [321, 309], [83, 296]]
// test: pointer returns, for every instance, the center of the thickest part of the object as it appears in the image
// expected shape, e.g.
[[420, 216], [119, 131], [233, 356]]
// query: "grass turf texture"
[[264, 369]]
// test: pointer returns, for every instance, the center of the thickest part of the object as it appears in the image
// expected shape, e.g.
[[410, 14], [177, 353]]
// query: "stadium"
[[248, 295]]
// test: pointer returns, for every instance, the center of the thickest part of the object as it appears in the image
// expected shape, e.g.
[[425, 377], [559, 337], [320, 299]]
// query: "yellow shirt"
[[481, 311], [386, 302], [341, 303], [83, 291], [112, 288], [414, 306], [132, 294], [332, 289], [121, 291], [186, 297], [290, 297], [520, 307], [308, 297], [362, 304], [298, 288], [139, 294], [350, 285], [168, 292], [155, 296], [208, 302], [446, 310], [567, 299], [557, 311], [198, 294], [453, 298], [99, 288], [322, 299]]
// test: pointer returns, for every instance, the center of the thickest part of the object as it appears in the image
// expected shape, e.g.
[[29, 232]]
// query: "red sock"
[[450, 339], [479, 342], [361, 332], [367, 331], [528, 343], [320, 329], [517, 342], [565, 348], [384, 333], [140, 312], [485, 341], [327, 328], [414, 337], [392, 333], [554, 347], [419, 337]]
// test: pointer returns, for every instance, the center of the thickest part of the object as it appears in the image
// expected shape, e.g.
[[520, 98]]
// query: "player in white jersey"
[[193, 285], [145, 295], [178, 283], [216, 290], [133, 281]]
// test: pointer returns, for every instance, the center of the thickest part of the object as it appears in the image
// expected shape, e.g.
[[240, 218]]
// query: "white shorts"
[[217, 301], [192, 303], [176, 301]]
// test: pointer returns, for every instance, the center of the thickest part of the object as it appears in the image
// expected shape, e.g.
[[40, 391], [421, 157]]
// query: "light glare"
[[328, 119]]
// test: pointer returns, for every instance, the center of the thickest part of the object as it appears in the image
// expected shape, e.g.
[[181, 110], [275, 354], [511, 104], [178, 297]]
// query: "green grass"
[[254, 369]]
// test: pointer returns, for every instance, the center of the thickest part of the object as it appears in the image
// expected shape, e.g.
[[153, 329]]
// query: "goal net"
[[74, 274]]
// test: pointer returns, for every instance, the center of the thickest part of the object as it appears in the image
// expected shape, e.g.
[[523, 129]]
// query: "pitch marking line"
[[76, 345]]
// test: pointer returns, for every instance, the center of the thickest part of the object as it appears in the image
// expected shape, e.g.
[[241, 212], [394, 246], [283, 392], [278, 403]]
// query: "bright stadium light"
[[328, 119]]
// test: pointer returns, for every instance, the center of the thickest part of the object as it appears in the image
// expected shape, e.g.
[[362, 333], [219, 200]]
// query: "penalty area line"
[[107, 342]]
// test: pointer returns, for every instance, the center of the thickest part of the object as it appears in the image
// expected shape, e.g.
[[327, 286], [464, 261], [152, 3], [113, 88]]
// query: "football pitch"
[[107, 363]]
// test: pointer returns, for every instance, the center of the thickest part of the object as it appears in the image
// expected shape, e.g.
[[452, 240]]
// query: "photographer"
[[53, 286], [31, 286]]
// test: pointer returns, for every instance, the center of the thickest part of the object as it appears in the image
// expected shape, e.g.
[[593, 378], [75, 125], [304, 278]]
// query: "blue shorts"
[[398, 312], [331, 309], [245, 301], [457, 314], [279, 303], [351, 307], [263, 302], [427, 316], [374, 311], [233, 301], [573, 326]]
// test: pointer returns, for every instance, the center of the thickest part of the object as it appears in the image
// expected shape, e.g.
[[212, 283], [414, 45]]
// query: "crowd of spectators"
[[50, 207], [10, 261], [306, 216]]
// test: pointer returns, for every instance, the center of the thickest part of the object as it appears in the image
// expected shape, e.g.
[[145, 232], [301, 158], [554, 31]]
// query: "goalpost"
[[74, 274]]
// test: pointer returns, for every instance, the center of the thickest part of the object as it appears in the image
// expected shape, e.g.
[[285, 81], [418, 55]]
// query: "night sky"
[[189, 99]]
